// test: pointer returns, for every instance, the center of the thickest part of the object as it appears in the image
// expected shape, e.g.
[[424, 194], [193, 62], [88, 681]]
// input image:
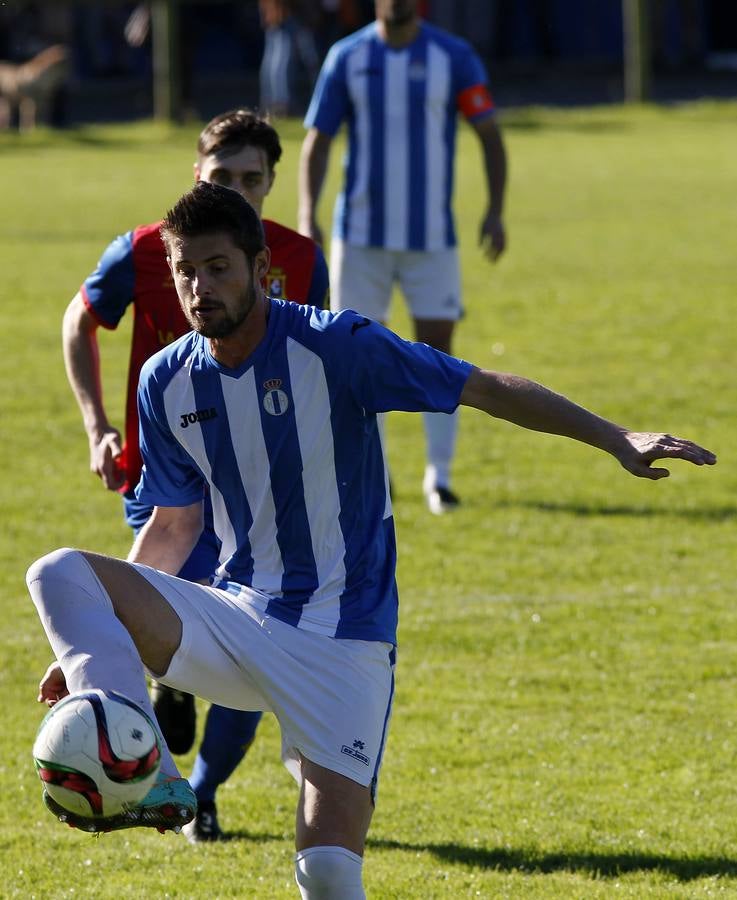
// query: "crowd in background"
[[282, 43]]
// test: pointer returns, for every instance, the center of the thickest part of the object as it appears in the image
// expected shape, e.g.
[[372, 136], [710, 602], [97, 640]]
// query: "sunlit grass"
[[564, 722]]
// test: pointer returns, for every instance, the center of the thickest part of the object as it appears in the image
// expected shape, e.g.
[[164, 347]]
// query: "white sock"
[[89, 642], [440, 432], [329, 873]]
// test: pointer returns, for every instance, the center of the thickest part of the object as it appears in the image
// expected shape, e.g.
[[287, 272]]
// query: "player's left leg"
[[106, 619], [333, 816], [333, 699], [431, 285], [98, 614]]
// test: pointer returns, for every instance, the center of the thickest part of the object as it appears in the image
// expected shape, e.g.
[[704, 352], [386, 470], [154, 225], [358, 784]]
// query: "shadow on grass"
[[598, 865], [524, 121], [253, 837], [708, 514]]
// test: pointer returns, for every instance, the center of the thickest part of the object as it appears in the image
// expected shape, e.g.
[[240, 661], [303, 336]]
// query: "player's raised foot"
[[176, 715], [205, 826], [441, 500], [168, 806]]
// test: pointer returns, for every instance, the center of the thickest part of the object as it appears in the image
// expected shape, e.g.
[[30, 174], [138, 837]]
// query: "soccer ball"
[[97, 753]]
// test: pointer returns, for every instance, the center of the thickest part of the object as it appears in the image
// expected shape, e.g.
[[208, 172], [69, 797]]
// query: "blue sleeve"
[[109, 289], [330, 103], [387, 373], [468, 69], [169, 476], [319, 283]]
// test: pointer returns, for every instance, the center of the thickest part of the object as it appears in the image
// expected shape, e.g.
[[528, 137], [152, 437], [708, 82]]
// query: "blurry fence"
[[200, 57]]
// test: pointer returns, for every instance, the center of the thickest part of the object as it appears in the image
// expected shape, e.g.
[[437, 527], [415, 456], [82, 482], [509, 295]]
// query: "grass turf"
[[564, 723]]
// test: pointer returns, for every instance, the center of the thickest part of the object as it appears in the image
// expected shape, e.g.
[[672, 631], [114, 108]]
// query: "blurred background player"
[[291, 59], [238, 150], [399, 83]]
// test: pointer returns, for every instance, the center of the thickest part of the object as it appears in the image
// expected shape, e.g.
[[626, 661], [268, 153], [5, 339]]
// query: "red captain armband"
[[475, 100]]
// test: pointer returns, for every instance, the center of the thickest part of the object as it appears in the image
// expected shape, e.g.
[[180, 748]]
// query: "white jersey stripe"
[[180, 392], [396, 150], [438, 88], [244, 418], [358, 197]]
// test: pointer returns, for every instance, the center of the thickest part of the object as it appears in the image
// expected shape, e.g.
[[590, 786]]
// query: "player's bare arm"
[[82, 362], [533, 406], [313, 166], [168, 537], [492, 236]]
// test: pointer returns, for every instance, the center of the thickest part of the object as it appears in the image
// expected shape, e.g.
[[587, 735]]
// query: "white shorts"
[[332, 696], [362, 278]]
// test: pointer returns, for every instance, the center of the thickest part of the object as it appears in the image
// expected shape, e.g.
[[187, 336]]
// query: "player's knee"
[[53, 565], [329, 873], [64, 567]]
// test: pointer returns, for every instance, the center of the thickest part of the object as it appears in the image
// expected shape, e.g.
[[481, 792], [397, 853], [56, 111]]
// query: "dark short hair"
[[238, 128], [210, 208]]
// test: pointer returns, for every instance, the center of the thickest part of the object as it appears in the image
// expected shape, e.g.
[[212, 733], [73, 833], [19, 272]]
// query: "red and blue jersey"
[[133, 271]]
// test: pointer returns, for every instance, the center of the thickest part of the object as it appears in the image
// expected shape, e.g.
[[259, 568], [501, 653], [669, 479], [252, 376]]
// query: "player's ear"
[[197, 172], [272, 178], [261, 263]]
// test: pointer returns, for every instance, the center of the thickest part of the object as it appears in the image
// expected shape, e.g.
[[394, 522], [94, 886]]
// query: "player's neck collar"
[[400, 37]]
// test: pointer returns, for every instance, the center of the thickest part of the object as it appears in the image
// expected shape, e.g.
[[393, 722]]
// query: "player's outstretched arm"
[[82, 362], [533, 406]]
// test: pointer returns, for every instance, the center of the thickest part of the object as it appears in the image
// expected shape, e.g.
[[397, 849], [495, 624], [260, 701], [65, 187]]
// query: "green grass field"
[[565, 721]]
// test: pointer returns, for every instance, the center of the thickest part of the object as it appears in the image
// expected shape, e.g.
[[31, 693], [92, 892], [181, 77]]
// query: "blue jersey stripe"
[[418, 149], [377, 162], [273, 390]]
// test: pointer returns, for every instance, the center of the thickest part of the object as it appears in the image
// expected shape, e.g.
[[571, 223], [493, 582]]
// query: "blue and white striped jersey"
[[401, 108], [289, 446]]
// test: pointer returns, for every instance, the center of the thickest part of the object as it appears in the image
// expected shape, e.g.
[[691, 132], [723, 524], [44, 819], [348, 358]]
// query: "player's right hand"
[[492, 236], [53, 686], [105, 453], [641, 448]]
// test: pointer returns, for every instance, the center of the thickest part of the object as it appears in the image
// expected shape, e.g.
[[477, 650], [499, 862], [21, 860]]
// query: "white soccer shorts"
[[362, 278], [332, 697]]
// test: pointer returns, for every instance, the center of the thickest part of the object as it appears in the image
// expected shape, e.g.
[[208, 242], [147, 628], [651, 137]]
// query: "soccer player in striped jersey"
[[272, 406], [399, 85], [239, 150]]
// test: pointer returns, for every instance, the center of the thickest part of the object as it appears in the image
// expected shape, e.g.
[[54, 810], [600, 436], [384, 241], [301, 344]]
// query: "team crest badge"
[[275, 401], [276, 283]]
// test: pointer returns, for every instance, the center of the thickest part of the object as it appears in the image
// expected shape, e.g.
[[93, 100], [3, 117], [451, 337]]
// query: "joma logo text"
[[199, 415]]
